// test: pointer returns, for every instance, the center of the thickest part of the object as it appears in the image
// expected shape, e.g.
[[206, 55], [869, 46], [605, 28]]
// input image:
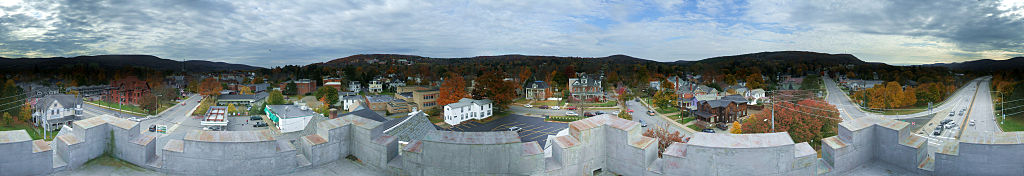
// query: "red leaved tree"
[[805, 120], [453, 89]]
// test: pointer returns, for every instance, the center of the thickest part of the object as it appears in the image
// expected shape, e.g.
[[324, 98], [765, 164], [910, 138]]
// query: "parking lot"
[[533, 128], [243, 123]]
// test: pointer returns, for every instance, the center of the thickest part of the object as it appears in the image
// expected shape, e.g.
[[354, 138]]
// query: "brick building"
[[128, 90]]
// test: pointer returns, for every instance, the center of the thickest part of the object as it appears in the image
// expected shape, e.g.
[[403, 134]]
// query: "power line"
[[816, 115]]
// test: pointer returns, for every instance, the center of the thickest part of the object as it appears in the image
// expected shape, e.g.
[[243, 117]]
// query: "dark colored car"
[[259, 124], [152, 128], [588, 114], [598, 112], [255, 118], [708, 131], [543, 106]]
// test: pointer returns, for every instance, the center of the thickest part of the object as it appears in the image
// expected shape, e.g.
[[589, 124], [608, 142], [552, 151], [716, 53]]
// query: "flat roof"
[[455, 137], [229, 136], [14, 136], [290, 111], [757, 140]]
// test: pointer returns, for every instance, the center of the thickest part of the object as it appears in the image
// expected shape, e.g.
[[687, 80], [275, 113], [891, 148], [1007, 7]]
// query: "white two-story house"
[[467, 109], [53, 111]]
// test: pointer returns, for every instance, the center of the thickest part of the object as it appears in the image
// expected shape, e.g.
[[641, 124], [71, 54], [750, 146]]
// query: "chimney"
[[333, 113]]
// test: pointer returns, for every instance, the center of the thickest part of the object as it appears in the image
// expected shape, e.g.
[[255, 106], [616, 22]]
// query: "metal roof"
[[290, 111], [466, 102]]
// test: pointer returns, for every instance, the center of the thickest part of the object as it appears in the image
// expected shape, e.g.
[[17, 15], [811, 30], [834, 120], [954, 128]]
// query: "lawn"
[[204, 105], [1012, 124], [903, 110], [30, 129], [123, 107], [695, 127], [549, 103], [686, 120], [667, 110], [565, 118], [605, 104]]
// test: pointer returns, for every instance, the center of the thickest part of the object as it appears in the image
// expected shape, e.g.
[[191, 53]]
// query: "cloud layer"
[[273, 33]]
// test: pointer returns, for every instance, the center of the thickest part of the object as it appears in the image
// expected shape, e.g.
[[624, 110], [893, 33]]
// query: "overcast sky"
[[274, 33]]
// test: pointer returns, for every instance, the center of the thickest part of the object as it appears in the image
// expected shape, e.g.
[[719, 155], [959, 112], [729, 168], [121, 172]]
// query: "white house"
[[354, 86], [53, 111], [350, 102], [290, 118], [754, 96], [376, 86], [656, 85], [467, 109]]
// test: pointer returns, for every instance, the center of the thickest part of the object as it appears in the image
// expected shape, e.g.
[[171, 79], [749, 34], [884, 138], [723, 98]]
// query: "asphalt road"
[[848, 110], [90, 110], [982, 110], [640, 113]]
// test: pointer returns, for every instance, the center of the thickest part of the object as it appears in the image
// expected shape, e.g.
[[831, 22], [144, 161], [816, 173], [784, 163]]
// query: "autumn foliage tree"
[[805, 120], [453, 89], [491, 86], [665, 138], [889, 95], [210, 87]]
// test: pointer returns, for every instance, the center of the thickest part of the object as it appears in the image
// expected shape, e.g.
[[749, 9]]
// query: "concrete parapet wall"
[[23, 156]]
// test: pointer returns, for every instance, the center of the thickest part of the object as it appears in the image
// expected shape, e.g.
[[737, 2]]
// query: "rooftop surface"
[[229, 136], [494, 137], [741, 140], [14, 136], [290, 111]]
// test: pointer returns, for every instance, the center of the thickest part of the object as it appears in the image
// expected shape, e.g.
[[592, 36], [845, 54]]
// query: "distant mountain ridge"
[[119, 61], [983, 65], [779, 56]]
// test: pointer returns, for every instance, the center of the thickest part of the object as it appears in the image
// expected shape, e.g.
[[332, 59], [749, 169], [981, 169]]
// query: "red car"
[[629, 110], [570, 108]]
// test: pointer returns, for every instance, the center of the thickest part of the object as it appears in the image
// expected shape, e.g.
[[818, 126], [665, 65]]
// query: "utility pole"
[[773, 112]]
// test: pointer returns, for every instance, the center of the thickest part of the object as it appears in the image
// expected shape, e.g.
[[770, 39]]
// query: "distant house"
[[54, 111], [128, 90], [378, 102], [354, 86], [755, 96], [289, 118], [395, 83], [536, 90], [736, 89], [791, 83], [585, 87], [350, 102], [656, 85], [424, 97], [467, 109], [94, 92], [303, 86], [703, 89], [722, 111], [376, 86], [335, 85], [688, 101]]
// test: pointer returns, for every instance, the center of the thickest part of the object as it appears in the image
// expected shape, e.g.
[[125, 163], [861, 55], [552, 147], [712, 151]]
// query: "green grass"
[[686, 120], [32, 132], [1012, 124], [695, 127], [549, 103], [123, 107], [204, 105], [565, 118], [901, 111], [605, 104], [667, 110]]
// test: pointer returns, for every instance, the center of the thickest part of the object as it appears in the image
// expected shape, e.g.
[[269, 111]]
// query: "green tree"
[[291, 88], [232, 109], [7, 118], [275, 98], [328, 93], [665, 99]]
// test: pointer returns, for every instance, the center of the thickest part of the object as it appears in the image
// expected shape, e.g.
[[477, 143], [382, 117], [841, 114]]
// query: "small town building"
[[303, 86], [290, 118], [350, 102], [536, 90], [755, 96], [242, 100], [467, 109], [378, 102], [585, 87], [376, 86], [354, 86], [216, 118], [721, 111], [54, 111], [791, 83], [424, 97], [128, 90]]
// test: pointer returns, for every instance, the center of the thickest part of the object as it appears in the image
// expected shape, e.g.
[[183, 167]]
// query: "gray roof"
[[406, 94], [735, 98], [366, 113], [352, 97], [537, 85], [379, 98], [289, 111], [724, 101], [586, 80], [236, 97], [466, 102], [412, 127], [64, 100]]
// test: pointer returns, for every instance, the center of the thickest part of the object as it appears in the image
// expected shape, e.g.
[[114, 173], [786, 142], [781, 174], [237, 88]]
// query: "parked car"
[[972, 122], [152, 128], [598, 112], [708, 130], [570, 108], [528, 106], [544, 106], [255, 118], [588, 114], [615, 112], [516, 129], [629, 110], [650, 112], [642, 123], [259, 124], [555, 107], [571, 113]]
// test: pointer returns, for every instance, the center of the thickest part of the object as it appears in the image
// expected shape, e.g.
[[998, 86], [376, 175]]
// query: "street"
[[849, 110], [640, 113]]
